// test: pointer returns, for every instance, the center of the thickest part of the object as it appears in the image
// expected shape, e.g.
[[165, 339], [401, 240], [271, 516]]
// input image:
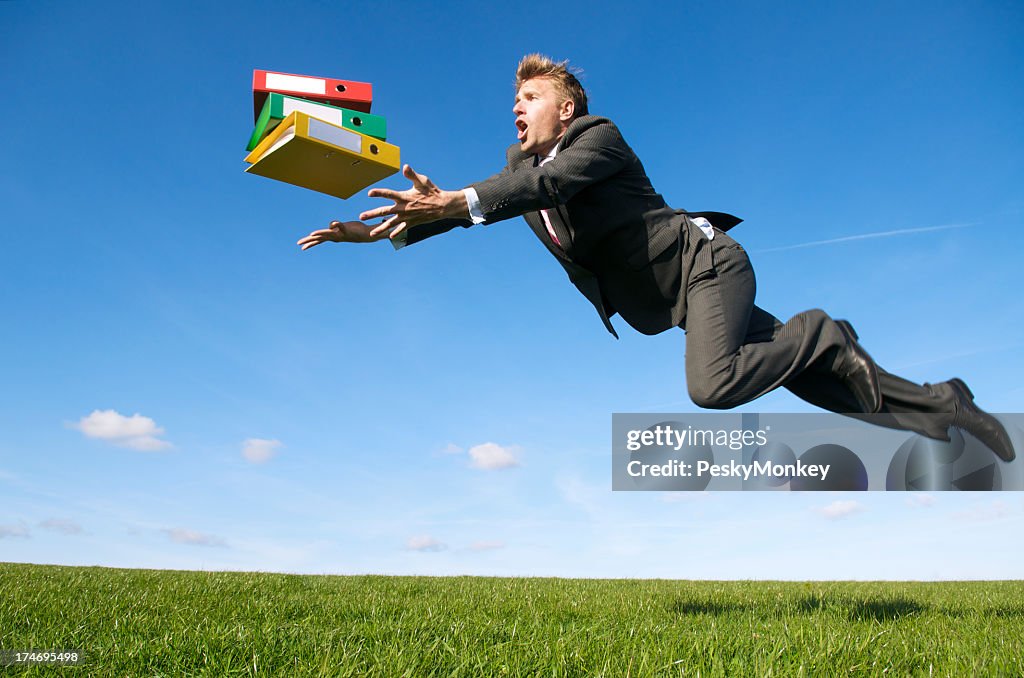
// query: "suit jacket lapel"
[[583, 279], [559, 219], [536, 223], [533, 219], [560, 225]]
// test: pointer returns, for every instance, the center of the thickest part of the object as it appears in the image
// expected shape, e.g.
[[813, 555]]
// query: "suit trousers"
[[737, 351]]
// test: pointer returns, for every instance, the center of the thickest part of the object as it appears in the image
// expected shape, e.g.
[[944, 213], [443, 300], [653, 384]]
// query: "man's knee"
[[710, 396], [815, 317]]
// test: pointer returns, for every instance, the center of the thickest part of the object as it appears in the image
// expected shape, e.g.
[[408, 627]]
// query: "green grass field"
[[148, 622]]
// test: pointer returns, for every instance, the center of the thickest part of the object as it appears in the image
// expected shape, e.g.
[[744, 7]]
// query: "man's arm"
[[414, 235], [419, 233], [422, 226], [341, 231], [424, 203], [425, 206], [596, 152], [592, 151]]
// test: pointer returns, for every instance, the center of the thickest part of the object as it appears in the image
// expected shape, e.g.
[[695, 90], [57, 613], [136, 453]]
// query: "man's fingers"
[[378, 212], [398, 229], [310, 241], [381, 227], [420, 181], [386, 193], [325, 234], [315, 235]]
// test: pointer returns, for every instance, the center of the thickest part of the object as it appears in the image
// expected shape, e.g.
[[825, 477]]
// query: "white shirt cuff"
[[473, 201], [399, 241]]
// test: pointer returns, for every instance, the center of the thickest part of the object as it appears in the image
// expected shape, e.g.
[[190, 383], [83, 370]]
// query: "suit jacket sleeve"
[[591, 150], [424, 231]]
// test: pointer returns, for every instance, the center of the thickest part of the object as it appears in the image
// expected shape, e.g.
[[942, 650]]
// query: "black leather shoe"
[[858, 371], [969, 417]]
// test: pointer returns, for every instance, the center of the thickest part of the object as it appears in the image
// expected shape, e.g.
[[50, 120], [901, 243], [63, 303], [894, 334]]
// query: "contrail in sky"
[[866, 236]]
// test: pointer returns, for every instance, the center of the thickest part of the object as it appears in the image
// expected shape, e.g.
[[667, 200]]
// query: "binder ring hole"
[[374, 149], [341, 88], [357, 121]]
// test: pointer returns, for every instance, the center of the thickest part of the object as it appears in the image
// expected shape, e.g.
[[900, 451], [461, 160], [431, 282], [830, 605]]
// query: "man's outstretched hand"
[[421, 204], [341, 231]]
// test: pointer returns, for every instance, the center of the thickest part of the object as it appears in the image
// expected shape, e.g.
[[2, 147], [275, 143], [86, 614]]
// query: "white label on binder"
[[296, 83], [313, 110], [342, 138]]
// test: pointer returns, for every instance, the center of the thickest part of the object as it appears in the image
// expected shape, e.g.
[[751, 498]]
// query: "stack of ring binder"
[[318, 133]]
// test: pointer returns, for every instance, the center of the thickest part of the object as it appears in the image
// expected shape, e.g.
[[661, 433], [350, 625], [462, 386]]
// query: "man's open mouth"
[[521, 126]]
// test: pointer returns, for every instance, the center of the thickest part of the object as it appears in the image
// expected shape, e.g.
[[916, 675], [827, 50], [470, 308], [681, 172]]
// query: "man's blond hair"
[[540, 66]]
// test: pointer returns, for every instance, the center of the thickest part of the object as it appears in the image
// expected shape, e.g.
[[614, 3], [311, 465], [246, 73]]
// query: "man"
[[587, 197]]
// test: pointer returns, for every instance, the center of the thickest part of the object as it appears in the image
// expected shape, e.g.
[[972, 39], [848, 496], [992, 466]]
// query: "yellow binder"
[[315, 154]]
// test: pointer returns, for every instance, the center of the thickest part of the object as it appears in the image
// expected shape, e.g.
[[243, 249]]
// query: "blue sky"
[[445, 409]]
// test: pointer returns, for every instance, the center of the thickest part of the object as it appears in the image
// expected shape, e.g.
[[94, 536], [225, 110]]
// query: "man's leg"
[[734, 350], [926, 409]]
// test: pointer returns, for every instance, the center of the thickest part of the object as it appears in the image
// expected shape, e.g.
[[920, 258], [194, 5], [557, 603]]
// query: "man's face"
[[541, 116]]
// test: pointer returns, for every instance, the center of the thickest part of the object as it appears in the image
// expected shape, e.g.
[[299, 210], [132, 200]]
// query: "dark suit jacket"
[[624, 248]]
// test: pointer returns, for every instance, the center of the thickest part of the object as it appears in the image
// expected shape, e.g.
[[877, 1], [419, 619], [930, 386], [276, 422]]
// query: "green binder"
[[278, 106]]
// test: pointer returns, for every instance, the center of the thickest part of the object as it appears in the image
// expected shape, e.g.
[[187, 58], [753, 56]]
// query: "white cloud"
[[135, 432], [920, 500], [452, 448], [61, 525], [841, 509], [12, 531], [484, 545], [182, 536], [490, 456], [259, 451], [425, 542]]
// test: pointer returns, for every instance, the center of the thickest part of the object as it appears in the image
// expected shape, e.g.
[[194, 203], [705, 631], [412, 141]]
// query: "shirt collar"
[[550, 156]]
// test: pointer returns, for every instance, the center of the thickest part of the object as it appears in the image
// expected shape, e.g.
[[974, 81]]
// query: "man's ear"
[[566, 110]]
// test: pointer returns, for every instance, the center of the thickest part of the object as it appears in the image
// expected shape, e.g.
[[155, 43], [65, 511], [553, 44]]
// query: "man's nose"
[[518, 108]]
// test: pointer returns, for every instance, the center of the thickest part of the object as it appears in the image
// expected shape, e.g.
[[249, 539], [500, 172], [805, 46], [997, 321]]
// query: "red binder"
[[345, 93]]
